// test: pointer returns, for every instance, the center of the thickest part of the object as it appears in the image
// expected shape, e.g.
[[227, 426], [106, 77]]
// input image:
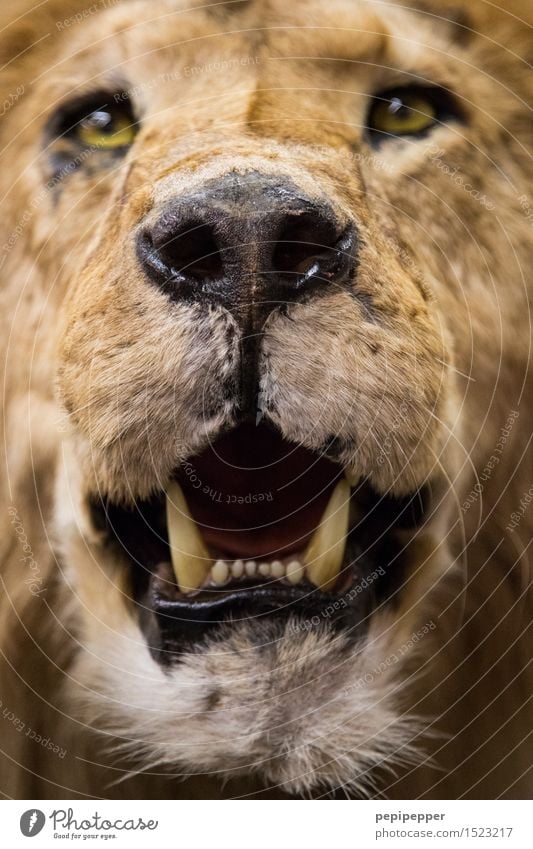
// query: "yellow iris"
[[404, 114], [106, 129]]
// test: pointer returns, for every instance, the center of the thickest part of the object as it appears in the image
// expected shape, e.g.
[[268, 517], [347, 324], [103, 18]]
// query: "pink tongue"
[[254, 495]]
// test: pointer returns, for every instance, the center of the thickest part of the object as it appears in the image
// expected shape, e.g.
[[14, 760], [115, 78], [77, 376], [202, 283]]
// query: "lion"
[[266, 395]]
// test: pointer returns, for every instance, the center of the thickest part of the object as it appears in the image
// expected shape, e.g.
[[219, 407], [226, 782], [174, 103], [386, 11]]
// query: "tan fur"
[[102, 382]]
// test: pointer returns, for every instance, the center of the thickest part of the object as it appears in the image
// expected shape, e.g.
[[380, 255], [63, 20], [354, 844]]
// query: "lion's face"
[[255, 348]]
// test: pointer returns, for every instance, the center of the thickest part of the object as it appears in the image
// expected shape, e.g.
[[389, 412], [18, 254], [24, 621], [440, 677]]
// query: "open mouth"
[[256, 526]]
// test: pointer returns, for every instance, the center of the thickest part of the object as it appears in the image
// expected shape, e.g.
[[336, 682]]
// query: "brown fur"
[[102, 379]]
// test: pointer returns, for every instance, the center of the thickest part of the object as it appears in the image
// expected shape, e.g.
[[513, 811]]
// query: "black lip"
[[173, 625], [247, 601]]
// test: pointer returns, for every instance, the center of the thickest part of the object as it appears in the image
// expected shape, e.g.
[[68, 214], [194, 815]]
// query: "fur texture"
[[423, 374]]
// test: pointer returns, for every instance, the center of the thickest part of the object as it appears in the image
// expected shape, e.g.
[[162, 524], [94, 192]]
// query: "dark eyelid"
[[437, 95]]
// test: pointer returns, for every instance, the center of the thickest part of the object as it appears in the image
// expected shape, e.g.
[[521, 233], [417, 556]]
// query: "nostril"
[[188, 255], [310, 250], [192, 253], [294, 257]]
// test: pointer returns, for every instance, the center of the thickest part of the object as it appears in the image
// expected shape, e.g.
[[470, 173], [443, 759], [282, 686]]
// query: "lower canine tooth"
[[220, 572], [190, 559], [325, 552], [264, 570]]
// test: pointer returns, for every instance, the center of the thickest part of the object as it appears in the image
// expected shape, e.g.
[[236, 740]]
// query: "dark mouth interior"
[[253, 495]]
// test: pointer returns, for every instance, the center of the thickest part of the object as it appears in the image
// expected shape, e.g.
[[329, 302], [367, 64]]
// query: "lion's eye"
[[106, 128], [97, 122], [408, 111]]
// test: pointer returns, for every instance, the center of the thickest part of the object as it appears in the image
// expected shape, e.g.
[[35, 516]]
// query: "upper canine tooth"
[[325, 551], [190, 558], [352, 478]]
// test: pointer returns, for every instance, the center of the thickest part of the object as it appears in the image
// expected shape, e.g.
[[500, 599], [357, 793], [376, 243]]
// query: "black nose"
[[249, 242]]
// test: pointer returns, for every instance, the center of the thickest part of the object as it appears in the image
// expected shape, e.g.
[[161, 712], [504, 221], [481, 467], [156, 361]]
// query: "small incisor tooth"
[[264, 570], [325, 552], [190, 559], [249, 568], [237, 569]]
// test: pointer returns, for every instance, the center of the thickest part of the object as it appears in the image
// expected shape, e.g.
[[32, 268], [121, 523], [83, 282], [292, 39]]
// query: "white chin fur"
[[296, 712]]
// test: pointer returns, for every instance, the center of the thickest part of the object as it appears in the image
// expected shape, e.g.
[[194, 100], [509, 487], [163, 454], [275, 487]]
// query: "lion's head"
[[266, 318]]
